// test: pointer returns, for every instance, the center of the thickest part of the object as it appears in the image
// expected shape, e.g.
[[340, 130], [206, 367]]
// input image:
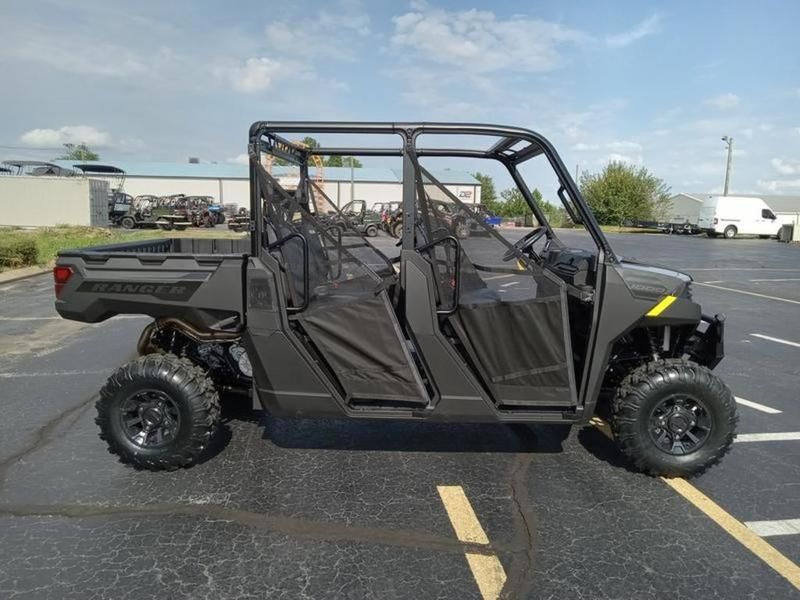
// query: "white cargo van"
[[737, 215]]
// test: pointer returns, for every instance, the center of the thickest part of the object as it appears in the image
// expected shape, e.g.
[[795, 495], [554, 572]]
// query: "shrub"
[[18, 252]]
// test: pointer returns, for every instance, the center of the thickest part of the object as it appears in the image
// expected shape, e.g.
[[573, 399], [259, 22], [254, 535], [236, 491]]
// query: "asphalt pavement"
[[342, 509]]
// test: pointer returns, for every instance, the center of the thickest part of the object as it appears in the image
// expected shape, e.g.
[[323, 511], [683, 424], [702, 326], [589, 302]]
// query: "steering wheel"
[[524, 243]]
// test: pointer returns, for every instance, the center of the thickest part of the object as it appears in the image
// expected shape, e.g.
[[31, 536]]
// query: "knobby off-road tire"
[[683, 396], [171, 388]]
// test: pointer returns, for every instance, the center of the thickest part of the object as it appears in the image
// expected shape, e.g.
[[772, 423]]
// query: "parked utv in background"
[[240, 221], [462, 223], [36, 168], [119, 203], [316, 323], [355, 215]]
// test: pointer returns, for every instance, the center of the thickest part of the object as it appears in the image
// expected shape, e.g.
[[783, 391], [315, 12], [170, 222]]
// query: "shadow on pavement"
[[404, 436]]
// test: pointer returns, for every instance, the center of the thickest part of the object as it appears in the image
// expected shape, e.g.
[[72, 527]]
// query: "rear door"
[[337, 305]]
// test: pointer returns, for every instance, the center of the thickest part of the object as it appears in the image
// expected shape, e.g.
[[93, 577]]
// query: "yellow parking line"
[[486, 568], [735, 528], [756, 544]]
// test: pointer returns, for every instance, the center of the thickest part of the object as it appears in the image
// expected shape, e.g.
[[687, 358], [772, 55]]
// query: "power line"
[[59, 149]]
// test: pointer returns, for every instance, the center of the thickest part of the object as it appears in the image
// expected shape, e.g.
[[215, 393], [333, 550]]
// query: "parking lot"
[[342, 509]]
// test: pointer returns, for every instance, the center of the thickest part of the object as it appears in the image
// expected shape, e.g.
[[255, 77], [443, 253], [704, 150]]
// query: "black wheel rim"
[[679, 425], [149, 418]]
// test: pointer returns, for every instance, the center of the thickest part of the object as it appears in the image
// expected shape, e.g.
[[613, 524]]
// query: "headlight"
[[239, 354]]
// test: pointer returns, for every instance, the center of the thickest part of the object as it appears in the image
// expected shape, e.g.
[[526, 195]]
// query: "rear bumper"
[[707, 346]]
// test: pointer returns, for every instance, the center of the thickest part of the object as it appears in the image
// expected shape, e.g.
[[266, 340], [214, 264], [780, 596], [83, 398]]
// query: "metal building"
[[229, 183]]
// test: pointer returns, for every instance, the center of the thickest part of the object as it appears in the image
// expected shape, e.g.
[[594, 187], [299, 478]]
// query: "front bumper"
[[707, 346]]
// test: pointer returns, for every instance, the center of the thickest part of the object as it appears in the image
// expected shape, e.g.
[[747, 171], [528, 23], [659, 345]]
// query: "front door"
[[505, 315]]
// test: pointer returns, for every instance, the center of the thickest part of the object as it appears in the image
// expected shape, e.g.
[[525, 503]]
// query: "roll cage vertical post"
[[526, 193], [409, 193]]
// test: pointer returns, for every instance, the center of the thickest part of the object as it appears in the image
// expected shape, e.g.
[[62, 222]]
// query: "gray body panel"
[[249, 287]]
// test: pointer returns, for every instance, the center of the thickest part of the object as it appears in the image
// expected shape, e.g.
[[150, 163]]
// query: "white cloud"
[[254, 75], [647, 27], [325, 35], [582, 147], [617, 157], [69, 134], [624, 146], [477, 41], [785, 167], [239, 159], [778, 185], [724, 101]]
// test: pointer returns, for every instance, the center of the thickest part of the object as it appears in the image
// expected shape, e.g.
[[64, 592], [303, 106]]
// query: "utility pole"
[[729, 143]]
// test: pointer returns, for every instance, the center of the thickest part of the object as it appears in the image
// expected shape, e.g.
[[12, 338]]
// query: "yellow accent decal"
[[661, 306]]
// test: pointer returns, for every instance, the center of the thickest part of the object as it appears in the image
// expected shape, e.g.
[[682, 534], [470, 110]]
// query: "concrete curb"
[[17, 274]]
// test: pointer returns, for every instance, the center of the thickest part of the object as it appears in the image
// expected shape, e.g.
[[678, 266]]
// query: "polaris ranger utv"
[[316, 324]]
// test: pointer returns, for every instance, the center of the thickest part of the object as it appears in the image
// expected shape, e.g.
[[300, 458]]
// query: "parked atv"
[[241, 220], [463, 220], [315, 324], [386, 210]]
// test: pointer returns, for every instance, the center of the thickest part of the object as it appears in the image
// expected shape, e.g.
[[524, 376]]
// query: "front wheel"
[[158, 412], [127, 223], [673, 418], [397, 230]]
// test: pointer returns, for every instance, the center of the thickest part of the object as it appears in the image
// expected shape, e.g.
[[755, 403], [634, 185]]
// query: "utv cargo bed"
[[155, 278]]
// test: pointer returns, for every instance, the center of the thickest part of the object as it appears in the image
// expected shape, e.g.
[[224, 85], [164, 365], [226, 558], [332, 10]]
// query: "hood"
[[652, 282]]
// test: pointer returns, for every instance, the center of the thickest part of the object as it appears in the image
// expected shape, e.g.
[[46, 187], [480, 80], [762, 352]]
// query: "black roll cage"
[[265, 136]]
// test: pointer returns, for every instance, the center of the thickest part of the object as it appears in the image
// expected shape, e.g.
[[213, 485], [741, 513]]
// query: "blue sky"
[[652, 83]]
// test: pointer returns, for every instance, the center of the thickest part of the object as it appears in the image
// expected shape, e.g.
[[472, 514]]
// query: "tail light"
[[61, 276], [716, 220]]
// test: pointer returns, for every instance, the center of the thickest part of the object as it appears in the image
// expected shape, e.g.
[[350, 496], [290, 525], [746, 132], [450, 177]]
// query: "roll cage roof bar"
[[264, 136]]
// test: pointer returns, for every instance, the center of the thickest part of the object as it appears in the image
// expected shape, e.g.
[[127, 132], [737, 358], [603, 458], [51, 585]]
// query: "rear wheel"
[[462, 231], [397, 229], [673, 418], [128, 223], [158, 412], [372, 231], [730, 232]]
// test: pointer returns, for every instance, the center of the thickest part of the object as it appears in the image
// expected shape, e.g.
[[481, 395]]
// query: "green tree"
[[623, 192], [488, 193], [343, 161], [78, 152], [309, 142], [514, 203]]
